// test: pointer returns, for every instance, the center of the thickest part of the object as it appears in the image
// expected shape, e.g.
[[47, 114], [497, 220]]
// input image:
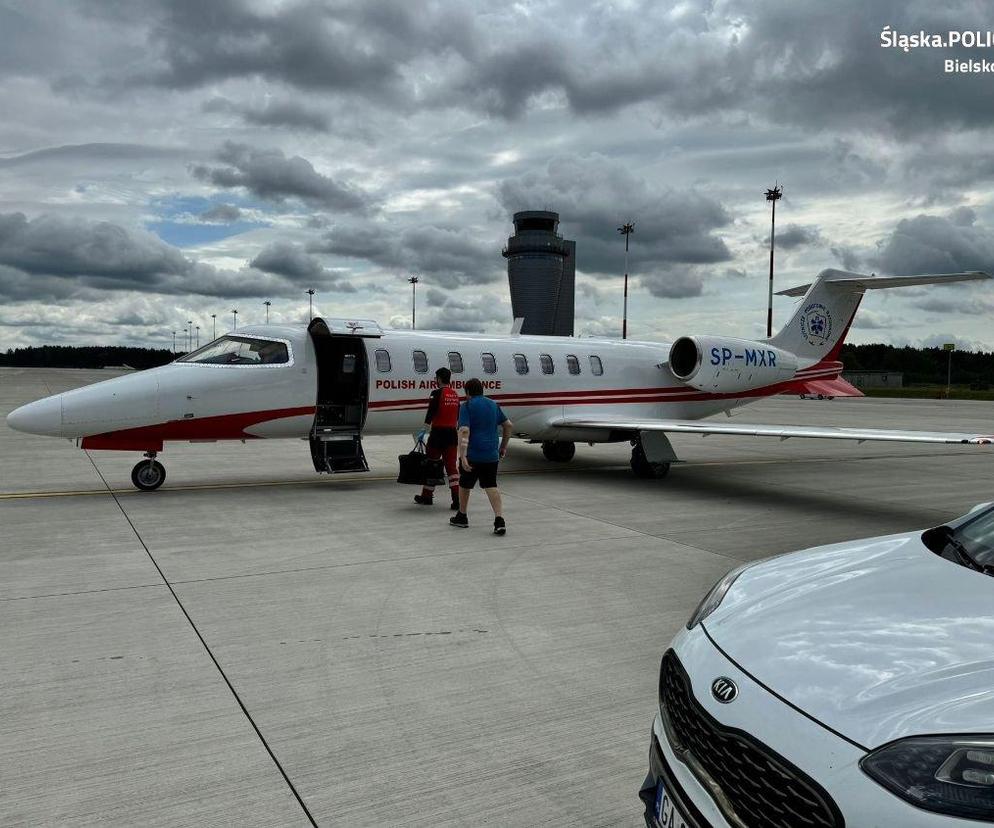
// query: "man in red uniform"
[[443, 440]]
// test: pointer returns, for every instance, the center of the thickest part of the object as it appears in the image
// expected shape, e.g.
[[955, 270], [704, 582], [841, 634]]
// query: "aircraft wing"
[[784, 432]]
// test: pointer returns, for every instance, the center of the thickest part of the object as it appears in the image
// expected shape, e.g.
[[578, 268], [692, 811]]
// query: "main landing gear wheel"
[[148, 475], [558, 452], [643, 467]]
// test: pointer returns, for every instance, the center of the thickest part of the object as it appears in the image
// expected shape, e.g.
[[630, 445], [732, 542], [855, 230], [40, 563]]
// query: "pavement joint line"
[[207, 648], [77, 592], [195, 487]]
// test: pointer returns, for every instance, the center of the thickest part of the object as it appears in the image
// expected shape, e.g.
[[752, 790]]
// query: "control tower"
[[541, 270]]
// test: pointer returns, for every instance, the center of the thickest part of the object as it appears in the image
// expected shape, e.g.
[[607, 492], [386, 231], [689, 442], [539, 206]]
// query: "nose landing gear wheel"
[[148, 475]]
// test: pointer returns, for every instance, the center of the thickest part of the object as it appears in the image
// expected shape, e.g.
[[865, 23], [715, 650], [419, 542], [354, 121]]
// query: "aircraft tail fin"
[[820, 322]]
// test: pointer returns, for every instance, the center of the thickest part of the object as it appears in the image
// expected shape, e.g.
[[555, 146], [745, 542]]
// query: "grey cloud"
[[294, 263], [757, 57], [806, 64], [793, 236], [285, 113], [269, 174], [848, 256], [221, 214], [869, 320], [970, 305], [443, 312], [676, 284], [134, 318], [54, 257], [360, 48], [448, 256], [594, 196], [936, 244]]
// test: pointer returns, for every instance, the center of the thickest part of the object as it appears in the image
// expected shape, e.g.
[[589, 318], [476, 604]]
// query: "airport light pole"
[[267, 303], [174, 342], [949, 347], [214, 323], [234, 319], [310, 302], [185, 338], [198, 336], [626, 230], [189, 338], [772, 196], [414, 300]]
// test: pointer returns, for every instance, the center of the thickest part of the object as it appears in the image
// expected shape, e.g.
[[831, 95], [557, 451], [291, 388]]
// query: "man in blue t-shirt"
[[480, 452]]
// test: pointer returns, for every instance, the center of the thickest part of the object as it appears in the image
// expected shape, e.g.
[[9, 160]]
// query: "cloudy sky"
[[163, 161]]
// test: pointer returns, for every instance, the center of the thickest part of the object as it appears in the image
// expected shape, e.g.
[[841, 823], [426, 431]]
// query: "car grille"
[[758, 786]]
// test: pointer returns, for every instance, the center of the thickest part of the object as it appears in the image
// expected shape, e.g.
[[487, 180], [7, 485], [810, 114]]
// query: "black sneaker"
[[455, 504], [424, 500], [499, 527], [459, 520]]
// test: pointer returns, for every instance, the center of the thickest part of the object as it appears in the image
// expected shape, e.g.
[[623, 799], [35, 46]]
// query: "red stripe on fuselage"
[[222, 427]]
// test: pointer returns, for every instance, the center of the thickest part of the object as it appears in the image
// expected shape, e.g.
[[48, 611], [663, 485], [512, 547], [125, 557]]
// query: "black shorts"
[[486, 473], [442, 437]]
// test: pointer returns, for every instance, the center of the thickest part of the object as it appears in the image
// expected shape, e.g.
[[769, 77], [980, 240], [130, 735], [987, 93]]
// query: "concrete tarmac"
[[255, 644]]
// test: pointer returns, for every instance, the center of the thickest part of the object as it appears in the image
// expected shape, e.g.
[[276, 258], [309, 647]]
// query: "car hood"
[[877, 639]]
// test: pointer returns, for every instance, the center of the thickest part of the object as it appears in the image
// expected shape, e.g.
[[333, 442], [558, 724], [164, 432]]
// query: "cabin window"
[[420, 362], [382, 360], [489, 364], [572, 364], [596, 368], [455, 362], [240, 350], [521, 363], [548, 366]]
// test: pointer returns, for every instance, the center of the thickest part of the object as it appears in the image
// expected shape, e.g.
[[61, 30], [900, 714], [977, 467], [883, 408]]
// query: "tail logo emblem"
[[816, 324]]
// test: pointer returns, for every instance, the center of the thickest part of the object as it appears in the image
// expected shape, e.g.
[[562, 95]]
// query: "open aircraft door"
[[342, 393]]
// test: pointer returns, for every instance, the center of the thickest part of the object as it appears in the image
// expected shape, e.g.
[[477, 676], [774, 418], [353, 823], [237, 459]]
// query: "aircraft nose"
[[40, 417]]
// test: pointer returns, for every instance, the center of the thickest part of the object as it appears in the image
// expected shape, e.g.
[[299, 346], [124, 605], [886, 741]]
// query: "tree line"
[[922, 366], [85, 356]]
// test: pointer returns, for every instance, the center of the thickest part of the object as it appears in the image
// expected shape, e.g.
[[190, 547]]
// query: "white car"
[[847, 685]]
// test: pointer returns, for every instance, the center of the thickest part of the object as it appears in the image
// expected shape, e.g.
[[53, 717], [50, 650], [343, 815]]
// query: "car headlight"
[[709, 603], [951, 775]]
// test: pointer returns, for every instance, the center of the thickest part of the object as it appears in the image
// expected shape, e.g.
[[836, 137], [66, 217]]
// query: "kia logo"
[[724, 689]]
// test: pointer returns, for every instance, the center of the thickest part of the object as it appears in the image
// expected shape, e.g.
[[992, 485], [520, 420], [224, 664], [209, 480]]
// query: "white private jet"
[[338, 380]]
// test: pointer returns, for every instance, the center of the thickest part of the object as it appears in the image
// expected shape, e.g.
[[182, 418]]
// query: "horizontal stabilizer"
[[784, 432], [860, 282]]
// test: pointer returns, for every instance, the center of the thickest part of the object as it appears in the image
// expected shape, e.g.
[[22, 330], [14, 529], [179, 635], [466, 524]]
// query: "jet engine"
[[724, 365]]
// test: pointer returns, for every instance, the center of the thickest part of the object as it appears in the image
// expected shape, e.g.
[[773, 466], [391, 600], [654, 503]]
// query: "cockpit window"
[[240, 350]]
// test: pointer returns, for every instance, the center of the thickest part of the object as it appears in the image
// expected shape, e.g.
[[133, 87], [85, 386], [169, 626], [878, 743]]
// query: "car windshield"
[[969, 540], [240, 350]]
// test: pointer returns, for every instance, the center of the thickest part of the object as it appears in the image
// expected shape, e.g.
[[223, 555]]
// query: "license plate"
[[667, 813]]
